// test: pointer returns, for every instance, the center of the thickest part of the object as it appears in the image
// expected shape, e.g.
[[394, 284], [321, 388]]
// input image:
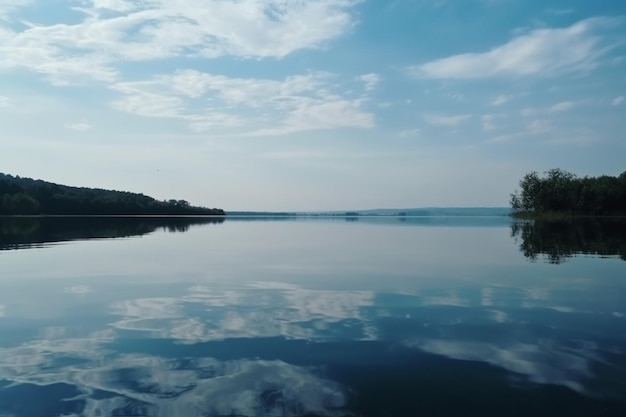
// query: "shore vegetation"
[[560, 194], [26, 196]]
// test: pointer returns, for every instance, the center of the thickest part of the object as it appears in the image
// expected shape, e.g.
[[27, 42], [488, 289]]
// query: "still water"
[[311, 317]]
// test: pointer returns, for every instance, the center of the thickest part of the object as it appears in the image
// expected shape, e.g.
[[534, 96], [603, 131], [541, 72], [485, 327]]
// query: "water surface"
[[304, 317]]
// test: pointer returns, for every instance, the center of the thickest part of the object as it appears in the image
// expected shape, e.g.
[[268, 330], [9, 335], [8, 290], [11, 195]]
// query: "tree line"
[[562, 192], [26, 196]]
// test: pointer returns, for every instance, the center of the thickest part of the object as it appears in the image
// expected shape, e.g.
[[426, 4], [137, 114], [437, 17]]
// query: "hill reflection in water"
[[26, 232]]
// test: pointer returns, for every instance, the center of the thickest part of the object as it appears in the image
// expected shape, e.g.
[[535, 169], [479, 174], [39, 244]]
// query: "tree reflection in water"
[[558, 240], [29, 232]]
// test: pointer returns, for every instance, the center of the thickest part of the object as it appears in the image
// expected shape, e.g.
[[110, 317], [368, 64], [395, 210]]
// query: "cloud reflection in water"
[[496, 327], [153, 386], [291, 312]]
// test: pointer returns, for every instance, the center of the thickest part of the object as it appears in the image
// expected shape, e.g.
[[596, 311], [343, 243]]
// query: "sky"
[[312, 104]]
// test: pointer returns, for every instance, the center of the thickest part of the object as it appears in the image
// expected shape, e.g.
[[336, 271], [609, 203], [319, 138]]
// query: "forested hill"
[[25, 196]]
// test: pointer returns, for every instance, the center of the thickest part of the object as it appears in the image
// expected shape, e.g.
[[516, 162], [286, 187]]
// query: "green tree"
[[562, 192]]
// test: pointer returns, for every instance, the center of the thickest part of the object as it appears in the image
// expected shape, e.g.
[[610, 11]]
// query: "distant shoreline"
[[392, 212]]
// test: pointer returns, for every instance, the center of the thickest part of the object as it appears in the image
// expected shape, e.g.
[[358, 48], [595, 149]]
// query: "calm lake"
[[311, 317]]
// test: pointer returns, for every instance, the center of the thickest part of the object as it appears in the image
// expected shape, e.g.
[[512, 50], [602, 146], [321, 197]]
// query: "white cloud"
[[296, 103], [5, 102], [562, 106], [504, 138], [147, 104], [538, 126], [35, 50], [115, 5], [488, 122], [315, 114], [8, 6], [210, 119], [618, 100], [370, 80], [500, 100], [252, 92], [540, 52], [409, 133], [445, 120], [80, 126], [170, 28]]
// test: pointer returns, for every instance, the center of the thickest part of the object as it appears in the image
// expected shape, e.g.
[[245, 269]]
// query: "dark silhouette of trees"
[[562, 192], [25, 196]]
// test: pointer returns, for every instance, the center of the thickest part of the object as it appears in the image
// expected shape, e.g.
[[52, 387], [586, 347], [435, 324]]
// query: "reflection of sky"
[[523, 335], [266, 250], [291, 312], [526, 332], [156, 386], [430, 290], [541, 362]]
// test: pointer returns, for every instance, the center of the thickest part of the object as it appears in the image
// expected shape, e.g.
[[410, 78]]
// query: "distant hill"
[[26, 196], [407, 212], [440, 211], [261, 213]]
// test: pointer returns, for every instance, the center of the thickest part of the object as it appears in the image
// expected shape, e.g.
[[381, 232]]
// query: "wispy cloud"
[[489, 122], [544, 52], [7, 6], [529, 111], [408, 133], [296, 103], [142, 102], [538, 126], [445, 120], [115, 5], [618, 100], [81, 126], [316, 114], [503, 138], [142, 31], [370, 80], [562, 106], [5, 102], [500, 100]]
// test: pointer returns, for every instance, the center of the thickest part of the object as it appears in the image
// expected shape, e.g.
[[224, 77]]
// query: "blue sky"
[[312, 105]]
